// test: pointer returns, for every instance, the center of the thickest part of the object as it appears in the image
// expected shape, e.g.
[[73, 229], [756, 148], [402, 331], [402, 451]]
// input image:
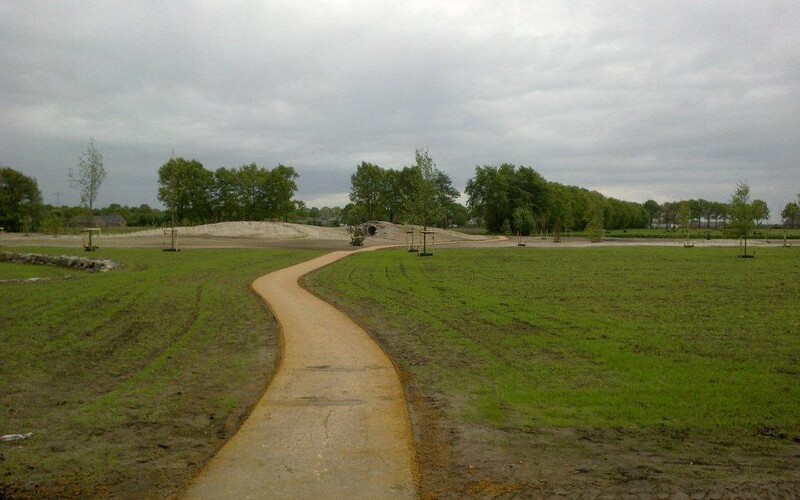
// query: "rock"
[[61, 261]]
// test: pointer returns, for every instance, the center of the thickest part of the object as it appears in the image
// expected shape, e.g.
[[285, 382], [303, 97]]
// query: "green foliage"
[[496, 192], [428, 204], [20, 201], [684, 214], [142, 216], [791, 214], [523, 222], [184, 187], [420, 194], [560, 208], [595, 228], [369, 189], [195, 195], [174, 349], [282, 188], [760, 211], [325, 216], [742, 213], [602, 337], [54, 223], [653, 210], [356, 235], [505, 228]]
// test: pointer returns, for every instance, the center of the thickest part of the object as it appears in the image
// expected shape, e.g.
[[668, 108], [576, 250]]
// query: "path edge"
[[301, 281]]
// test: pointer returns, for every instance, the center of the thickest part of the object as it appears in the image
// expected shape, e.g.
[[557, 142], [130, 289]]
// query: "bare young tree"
[[742, 213], [88, 176], [87, 179]]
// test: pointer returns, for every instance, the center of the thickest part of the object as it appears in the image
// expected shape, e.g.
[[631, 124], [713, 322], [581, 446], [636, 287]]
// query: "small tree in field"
[[595, 228], [356, 235], [522, 221], [742, 213], [87, 179]]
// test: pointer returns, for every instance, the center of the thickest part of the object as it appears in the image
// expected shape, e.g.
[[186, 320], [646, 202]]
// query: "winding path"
[[332, 424]]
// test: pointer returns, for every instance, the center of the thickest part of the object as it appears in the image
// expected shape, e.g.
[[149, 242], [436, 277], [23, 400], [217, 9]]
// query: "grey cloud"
[[649, 99]]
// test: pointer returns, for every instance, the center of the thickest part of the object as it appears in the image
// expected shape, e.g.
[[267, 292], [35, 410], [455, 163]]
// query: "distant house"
[[99, 221]]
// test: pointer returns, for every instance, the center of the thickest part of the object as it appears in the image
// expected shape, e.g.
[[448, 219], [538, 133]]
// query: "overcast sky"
[[666, 99]]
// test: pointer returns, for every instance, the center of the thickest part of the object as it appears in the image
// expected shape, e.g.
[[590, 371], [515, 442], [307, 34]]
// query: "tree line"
[[700, 213], [417, 194], [504, 198], [520, 200], [193, 194]]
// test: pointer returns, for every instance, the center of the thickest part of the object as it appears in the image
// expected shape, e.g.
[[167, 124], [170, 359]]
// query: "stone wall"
[[80, 263]]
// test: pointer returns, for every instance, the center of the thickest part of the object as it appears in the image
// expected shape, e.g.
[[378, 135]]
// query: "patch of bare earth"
[[250, 234]]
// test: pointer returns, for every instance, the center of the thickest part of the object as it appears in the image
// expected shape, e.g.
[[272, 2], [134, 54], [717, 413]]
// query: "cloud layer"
[[655, 99]]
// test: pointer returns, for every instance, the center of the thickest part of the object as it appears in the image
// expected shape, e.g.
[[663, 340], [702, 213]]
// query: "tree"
[[685, 214], [719, 212], [760, 211], [88, 177], [458, 215], [522, 222], [489, 195], [559, 209], [20, 201], [495, 192], [790, 214], [706, 211], [252, 184], [225, 195], [185, 189], [742, 213], [594, 227], [368, 189], [431, 195], [669, 212], [281, 190], [432, 192], [653, 211]]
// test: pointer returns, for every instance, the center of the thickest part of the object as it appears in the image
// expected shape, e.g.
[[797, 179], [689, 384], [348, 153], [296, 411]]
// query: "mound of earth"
[[255, 229], [249, 234], [378, 232], [388, 233]]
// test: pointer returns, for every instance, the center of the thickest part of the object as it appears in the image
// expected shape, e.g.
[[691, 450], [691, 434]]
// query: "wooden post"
[[173, 240], [425, 252], [87, 235], [410, 240]]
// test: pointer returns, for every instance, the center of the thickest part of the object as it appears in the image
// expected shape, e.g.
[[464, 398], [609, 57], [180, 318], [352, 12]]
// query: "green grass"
[[761, 233], [475, 230], [130, 380], [14, 271], [688, 342]]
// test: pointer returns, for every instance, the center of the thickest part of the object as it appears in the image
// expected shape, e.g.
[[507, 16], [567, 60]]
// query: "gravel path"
[[332, 424]]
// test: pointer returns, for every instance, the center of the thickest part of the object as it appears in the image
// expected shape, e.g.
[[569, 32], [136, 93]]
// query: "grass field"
[[13, 271], [694, 355], [130, 380], [761, 233]]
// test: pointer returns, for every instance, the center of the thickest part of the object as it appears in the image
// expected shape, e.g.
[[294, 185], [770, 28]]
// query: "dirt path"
[[332, 424]]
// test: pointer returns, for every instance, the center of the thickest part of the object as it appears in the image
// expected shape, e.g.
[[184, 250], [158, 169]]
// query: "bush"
[[356, 235]]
